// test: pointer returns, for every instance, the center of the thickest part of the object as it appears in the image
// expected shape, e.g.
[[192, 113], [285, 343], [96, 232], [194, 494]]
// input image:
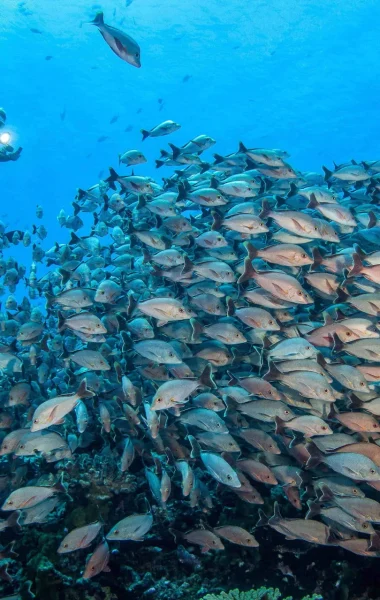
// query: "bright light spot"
[[5, 138]]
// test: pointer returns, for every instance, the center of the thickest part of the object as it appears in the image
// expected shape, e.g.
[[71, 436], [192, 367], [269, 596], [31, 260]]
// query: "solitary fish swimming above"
[[122, 44]]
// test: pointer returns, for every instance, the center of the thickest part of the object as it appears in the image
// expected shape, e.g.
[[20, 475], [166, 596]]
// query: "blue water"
[[299, 75]]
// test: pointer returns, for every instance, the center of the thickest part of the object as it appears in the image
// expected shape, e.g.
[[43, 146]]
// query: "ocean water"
[[300, 76]]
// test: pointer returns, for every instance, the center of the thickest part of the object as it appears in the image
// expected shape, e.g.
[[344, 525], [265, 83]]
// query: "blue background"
[[299, 75]]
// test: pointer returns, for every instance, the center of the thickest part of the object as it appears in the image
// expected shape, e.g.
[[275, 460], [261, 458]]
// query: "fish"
[[165, 128], [79, 538], [98, 561], [132, 528], [120, 43]]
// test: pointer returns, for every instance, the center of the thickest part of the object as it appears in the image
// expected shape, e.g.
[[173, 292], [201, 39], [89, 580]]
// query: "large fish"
[[120, 43]]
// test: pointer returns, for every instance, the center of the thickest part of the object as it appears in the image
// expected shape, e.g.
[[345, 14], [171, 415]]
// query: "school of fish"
[[218, 334]]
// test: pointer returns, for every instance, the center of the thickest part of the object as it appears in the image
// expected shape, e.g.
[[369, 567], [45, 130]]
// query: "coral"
[[262, 593]]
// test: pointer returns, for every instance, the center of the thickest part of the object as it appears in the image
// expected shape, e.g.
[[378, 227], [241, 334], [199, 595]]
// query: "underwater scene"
[[189, 300]]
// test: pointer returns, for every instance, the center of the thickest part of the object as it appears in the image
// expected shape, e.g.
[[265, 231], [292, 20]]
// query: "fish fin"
[[327, 495], [214, 183], [280, 201], [195, 447], [188, 265], [147, 257], [230, 307], [338, 345], [317, 258], [197, 330], [358, 266], [145, 134], [354, 401], [374, 543], [342, 296], [360, 252], [277, 516], [13, 520], [273, 373], [263, 519], [327, 172], [159, 163], [314, 509], [217, 221], [83, 391], [265, 210], [293, 191], [372, 220], [175, 533], [249, 271], [242, 148], [313, 202], [206, 377], [252, 252], [218, 158], [315, 456], [280, 426], [176, 151], [98, 20]]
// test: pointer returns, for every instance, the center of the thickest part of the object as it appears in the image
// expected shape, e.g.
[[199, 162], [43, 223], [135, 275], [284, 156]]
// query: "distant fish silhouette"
[[186, 78], [114, 119], [120, 43], [48, 57], [63, 114], [103, 138], [34, 30]]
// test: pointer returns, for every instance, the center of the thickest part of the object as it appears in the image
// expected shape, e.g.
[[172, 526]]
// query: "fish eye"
[[181, 310], [219, 239], [348, 333], [372, 471], [137, 54], [355, 491], [315, 228], [92, 568], [324, 428], [10, 502], [116, 532], [374, 425], [365, 525], [286, 412], [299, 293], [35, 421], [303, 255], [229, 477], [65, 545], [326, 391], [158, 399], [270, 322], [213, 541], [269, 392], [307, 348], [362, 383], [219, 197]]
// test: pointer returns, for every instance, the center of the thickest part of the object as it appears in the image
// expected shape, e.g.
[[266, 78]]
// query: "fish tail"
[[372, 219], [280, 426], [195, 447], [188, 266], [145, 134], [159, 163], [338, 344], [206, 377], [293, 191], [327, 172], [314, 509], [61, 321], [175, 533], [147, 257], [263, 519], [74, 239], [230, 307], [317, 258], [217, 220], [249, 271], [83, 391], [354, 401], [313, 202], [141, 202], [327, 495], [13, 520], [197, 330], [252, 251], [358, 266], [315, 457], [98, 20], [242, 148], [176, 151], [265, 210], [76, 208]]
